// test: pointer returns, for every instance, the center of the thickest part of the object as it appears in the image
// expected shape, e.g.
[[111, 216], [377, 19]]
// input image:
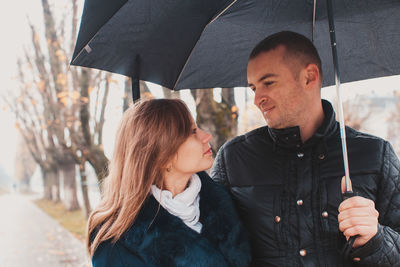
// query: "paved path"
[[30, 238]]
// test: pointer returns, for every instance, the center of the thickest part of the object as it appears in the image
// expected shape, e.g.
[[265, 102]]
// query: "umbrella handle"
[[348, 194], [347, 248], [349, 244]]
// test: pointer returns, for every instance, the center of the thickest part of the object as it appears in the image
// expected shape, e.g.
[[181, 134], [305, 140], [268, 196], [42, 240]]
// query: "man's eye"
[[268, 83]]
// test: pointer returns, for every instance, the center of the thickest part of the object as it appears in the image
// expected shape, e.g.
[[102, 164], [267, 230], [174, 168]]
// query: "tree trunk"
[[55, 185], [47, 194], [228, 98], [127, 100], [69, 174], [24, 165], [99, 162], [86, 203], [219, 119]]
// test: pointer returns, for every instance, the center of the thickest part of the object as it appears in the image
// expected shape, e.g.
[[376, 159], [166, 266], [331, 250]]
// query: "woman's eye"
[[194, 131]]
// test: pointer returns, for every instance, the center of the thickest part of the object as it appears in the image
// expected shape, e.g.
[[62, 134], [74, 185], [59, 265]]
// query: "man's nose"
[[259, 100]]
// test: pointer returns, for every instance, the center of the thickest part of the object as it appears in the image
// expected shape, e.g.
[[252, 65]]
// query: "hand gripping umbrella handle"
[[349, 244]]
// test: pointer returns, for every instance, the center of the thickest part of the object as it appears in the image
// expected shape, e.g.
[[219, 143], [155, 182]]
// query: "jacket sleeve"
[[384, 248], [114, 255], [218, 170]]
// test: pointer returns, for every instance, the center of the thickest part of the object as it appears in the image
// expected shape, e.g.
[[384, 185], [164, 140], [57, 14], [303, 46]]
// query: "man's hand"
[[358, 216]]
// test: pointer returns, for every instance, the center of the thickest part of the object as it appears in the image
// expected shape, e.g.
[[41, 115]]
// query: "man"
[[286, 179]]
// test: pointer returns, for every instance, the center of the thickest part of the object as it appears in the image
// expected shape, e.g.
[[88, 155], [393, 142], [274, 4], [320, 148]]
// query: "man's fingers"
[[357, 212], [358, 217], [356, 201], [357, 221], [365, 232]]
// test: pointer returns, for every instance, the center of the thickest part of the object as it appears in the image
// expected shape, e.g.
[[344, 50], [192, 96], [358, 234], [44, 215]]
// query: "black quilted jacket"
[[288, 193]]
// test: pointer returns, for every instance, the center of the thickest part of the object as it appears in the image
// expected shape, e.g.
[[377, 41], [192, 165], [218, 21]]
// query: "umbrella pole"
[[135, 89], [349, 190], [340, 105]]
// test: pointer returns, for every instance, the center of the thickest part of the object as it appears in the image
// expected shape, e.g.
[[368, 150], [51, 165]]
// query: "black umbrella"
[[148, 39], [204, 44]]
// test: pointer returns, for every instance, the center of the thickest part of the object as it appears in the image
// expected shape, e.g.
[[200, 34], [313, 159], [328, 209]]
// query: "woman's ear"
[[169, 166]]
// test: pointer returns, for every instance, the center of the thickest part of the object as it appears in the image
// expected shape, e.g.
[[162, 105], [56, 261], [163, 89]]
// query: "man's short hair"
[[297, 47]]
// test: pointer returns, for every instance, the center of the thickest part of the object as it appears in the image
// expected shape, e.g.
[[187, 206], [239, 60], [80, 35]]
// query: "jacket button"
[[277, 219], [299, 202], [325, 214], [300, 155], [303, 252], [321, 156]]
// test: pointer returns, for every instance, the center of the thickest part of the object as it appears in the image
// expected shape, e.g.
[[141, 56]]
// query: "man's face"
[[278, 93]]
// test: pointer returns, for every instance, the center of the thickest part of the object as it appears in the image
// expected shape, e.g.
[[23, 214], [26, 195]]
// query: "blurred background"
[[58, 124]]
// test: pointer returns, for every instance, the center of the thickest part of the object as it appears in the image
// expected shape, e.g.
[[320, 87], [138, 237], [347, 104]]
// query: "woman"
[[159, 208]]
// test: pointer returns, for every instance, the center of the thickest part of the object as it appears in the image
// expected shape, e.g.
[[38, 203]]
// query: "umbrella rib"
[[191, 52], [313, 21], [87, 47]]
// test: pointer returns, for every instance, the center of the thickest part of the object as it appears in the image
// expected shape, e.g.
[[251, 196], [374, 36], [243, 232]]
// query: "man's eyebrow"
[[265, 76]]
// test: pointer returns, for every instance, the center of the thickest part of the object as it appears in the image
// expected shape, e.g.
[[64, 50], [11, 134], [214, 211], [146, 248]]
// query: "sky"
[[15, 35]]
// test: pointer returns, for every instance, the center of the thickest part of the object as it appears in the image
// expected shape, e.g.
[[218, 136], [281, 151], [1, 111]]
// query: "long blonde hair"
[[148, 136]]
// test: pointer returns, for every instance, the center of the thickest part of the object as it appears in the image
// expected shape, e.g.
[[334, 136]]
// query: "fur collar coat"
[[158, 238]]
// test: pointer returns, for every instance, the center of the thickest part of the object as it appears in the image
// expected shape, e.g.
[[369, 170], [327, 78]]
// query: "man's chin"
[[274, 125], [270, 123]]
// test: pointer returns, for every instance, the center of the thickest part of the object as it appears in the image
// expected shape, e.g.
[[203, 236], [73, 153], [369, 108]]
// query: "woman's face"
[[194, 154]]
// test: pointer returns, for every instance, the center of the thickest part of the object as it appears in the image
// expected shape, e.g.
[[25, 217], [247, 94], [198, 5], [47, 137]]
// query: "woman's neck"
[[176, 183]]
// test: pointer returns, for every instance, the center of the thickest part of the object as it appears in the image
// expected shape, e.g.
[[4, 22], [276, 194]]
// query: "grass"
[[73, 221]]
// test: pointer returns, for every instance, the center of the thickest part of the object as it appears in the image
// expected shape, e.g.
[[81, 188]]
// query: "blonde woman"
[[158, 207]]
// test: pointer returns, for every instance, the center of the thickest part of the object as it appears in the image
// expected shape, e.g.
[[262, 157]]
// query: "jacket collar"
[[290, 137]]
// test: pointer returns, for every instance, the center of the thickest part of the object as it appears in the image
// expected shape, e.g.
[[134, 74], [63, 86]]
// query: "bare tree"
[[356, 113], [64, 127], [24, 166], [219, 119]]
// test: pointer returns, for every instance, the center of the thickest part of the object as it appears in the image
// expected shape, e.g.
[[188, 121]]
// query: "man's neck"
[[312, 123]]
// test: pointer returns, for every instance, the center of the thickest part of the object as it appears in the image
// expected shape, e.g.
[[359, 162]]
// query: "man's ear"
[[312, 75]]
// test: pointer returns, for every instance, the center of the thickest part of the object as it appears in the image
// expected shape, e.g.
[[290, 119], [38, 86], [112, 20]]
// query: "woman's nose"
[[204, 136]]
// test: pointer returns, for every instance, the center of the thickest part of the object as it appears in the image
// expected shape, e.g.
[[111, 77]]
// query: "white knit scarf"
[[185, 205]]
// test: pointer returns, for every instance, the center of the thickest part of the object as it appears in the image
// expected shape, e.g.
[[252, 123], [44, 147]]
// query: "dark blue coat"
[[162, 239]]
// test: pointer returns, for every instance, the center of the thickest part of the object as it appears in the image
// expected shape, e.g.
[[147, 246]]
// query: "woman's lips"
[[208, 152]]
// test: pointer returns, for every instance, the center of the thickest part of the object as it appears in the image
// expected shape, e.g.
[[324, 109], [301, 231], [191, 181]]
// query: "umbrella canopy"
[[204, 44], [146, 40]]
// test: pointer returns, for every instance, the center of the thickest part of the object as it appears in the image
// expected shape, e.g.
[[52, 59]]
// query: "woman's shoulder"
[[115, 254]]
